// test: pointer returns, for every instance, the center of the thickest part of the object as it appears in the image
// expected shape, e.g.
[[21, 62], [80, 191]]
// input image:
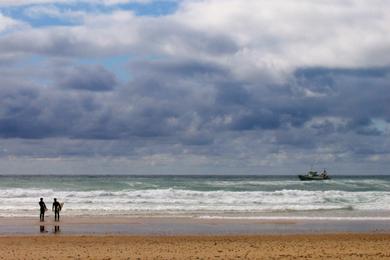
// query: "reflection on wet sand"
[[42, 229], [56, 229]]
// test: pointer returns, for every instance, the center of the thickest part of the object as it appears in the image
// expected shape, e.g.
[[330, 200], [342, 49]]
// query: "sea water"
[[252, 197]]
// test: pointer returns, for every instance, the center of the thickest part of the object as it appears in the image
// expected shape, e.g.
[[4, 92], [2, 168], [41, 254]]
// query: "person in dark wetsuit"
[[56, 208], [43, 208]]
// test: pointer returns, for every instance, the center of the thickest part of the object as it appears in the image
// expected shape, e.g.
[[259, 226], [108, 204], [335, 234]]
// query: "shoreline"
[[170, 226]]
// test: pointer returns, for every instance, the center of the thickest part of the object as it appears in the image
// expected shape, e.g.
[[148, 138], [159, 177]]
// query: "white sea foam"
[[24, 202]]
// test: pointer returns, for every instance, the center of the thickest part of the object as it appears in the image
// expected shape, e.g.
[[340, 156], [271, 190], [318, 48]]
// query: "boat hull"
[[313, 178]]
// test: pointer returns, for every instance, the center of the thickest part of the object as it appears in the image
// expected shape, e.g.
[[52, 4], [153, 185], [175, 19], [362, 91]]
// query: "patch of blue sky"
[[65, 14], [153, 8], [41, 15], [50, 21], [32, 60], [36, 59]]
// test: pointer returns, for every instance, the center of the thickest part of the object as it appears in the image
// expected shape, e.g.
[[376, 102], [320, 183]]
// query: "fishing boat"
[[314, 176]]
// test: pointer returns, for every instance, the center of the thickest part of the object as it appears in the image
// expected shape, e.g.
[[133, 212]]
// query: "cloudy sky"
[[194, 86]]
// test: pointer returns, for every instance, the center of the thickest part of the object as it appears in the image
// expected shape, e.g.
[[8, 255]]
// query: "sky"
[[194, 86]]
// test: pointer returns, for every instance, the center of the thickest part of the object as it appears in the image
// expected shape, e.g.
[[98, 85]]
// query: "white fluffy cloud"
[[7, 23], [285, 34], [276, 36]]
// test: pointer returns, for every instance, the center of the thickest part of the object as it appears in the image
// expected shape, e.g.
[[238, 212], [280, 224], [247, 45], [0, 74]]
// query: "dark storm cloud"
[[298, 112], [178, 69], [19, 111], [193, 104], [261, 106], [356, 94], [322, 72], [256, 119], [232, 94], [35, 112], [253, 106], [162, 102], [91, 78]]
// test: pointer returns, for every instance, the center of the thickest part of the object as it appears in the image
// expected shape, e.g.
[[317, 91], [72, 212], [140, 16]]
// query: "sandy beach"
[[190, 238], [331, 246]]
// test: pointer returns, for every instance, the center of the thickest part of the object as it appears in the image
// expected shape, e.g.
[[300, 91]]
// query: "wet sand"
[[191, 238], [185, 226], [304, 246]]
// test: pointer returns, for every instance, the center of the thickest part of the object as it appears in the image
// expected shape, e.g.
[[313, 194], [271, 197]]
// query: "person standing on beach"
[[56, 208], [43, 208]]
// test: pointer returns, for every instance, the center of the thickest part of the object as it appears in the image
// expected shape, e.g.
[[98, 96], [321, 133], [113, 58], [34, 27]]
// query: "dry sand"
[[308, 246]]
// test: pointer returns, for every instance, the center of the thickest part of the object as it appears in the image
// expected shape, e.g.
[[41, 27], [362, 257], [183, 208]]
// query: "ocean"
[[242, 197]]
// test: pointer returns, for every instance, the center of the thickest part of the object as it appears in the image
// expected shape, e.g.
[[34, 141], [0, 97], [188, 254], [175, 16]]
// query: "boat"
[[314, 176]]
